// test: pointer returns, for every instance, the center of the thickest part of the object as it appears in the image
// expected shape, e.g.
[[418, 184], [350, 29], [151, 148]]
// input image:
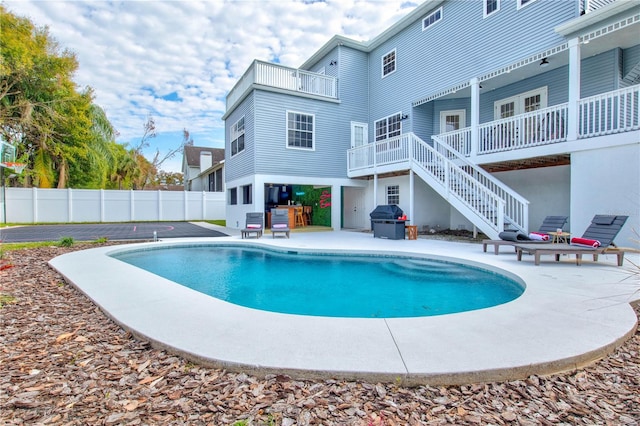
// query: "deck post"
[[573, 114], [475, 116]]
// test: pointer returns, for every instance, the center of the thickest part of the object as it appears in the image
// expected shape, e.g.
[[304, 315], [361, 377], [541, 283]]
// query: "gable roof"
[[192, 155]]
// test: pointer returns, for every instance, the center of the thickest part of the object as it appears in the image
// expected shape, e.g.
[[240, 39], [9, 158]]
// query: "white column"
[[475, 116], [336, 207], [411, 196], [375, 191], [573, 113]]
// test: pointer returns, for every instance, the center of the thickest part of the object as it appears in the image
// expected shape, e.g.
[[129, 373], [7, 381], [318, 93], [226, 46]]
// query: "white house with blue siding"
[[479, 114]]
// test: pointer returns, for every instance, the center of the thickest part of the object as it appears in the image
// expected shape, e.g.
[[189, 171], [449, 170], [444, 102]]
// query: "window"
[[299, 130], [233, 196], [388, 127], [523, 3], [389, 63], [237, 137], [246, 194], [215, 181], [432, 19], [393, 194], [491, 6], [520, 104]]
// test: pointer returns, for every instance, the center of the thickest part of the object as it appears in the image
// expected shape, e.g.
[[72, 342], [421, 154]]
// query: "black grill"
[[385, 222]]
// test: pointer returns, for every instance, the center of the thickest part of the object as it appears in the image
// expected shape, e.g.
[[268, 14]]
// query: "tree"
[[59, 133]]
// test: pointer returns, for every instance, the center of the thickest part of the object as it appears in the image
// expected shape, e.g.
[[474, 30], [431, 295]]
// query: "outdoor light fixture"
[[544, 62], [333, 62], [404, 116]]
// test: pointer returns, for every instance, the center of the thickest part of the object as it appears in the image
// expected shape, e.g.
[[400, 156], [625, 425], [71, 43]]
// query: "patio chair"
[[596, 240], [509, 238], [279, 222], [254, 225]]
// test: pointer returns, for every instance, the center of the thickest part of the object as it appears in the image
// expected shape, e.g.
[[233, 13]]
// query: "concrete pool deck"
[[568, 316]]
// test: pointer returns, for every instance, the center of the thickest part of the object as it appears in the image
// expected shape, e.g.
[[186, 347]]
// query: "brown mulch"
[[62, 361]]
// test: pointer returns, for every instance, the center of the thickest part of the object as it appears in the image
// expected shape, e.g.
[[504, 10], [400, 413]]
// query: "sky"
[[176, 60]]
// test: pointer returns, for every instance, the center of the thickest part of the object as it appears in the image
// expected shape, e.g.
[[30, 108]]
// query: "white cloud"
[[176, 60]]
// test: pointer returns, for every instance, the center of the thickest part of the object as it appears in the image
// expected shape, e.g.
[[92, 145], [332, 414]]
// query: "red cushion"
[[585, 242]]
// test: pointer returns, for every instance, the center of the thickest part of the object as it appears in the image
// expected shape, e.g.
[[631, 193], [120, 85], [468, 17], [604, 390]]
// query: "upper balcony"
[[278, 77]]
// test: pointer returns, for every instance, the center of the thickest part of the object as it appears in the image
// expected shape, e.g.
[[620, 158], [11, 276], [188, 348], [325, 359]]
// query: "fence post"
[[204, 205], [102, 205], [35, 204], [131, 207], [69, 205], [184, 199]]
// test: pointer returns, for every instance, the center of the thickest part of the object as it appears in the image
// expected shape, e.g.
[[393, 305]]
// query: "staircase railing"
[[516, 207], [459, 187]]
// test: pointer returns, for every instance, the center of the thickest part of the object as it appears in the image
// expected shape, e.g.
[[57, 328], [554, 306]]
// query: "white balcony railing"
[[280, 77], [609, 113], [542, 127]]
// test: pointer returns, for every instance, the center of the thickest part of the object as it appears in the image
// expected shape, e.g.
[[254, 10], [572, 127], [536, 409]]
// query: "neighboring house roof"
[[192, 155]]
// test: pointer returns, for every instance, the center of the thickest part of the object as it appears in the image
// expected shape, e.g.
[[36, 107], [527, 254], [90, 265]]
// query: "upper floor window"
[[389, 63], [215, 181], [300, 130], [491, 6], [522, 3], [432, 19], [388, 127], [237, 137]]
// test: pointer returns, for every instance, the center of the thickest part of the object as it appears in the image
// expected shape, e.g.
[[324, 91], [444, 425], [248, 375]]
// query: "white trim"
[[525, 4], [365, 133], [235, 135], [459, 112], [313, 131], [484, 8], [395, 62], [518, 101], [431, 24]]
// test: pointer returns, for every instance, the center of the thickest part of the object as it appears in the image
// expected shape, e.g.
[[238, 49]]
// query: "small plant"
[[6, 299], [241, 423], [65, 242], [102, 240]]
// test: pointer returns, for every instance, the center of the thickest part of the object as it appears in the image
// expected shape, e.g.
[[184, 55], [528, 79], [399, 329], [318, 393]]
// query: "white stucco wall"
[[607, 181], [548, 190]]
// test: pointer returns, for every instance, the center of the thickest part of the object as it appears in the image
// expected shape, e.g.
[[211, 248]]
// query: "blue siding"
[[630, 57], [241, 164], [451, 51], [600, 73]]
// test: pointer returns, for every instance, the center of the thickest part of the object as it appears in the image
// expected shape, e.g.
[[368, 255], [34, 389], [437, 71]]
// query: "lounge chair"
[[279, 222], [509, 238], [603, 229], [254, 225]]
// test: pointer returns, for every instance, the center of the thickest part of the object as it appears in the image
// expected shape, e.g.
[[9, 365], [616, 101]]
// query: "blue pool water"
[[335, 285]]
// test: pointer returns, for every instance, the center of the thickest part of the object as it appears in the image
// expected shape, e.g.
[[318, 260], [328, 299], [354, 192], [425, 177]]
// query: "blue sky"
[[177, 60]]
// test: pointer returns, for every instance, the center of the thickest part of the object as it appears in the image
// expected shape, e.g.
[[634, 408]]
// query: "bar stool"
[[299, 216], [307, 214]]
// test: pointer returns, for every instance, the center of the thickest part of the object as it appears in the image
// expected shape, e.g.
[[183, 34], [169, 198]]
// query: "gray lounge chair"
[[279, 222], [509, 238], [254, 225], [603, 228]]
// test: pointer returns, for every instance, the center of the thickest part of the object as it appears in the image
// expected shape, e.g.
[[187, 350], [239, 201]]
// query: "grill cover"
[[386, 211]]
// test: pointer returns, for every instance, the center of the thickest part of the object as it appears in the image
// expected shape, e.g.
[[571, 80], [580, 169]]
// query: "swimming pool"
[[328, 284]]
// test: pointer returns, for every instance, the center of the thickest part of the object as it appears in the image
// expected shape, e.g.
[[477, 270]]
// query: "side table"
[[560, 237]]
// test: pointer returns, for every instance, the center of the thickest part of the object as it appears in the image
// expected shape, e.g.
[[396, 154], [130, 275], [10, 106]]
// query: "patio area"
[[567, 317]]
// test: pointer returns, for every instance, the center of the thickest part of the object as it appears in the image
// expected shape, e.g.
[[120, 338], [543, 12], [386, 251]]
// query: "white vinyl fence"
[[33, 205]]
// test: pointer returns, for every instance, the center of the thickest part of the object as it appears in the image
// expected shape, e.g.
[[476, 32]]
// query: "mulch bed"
[[62, 361]]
